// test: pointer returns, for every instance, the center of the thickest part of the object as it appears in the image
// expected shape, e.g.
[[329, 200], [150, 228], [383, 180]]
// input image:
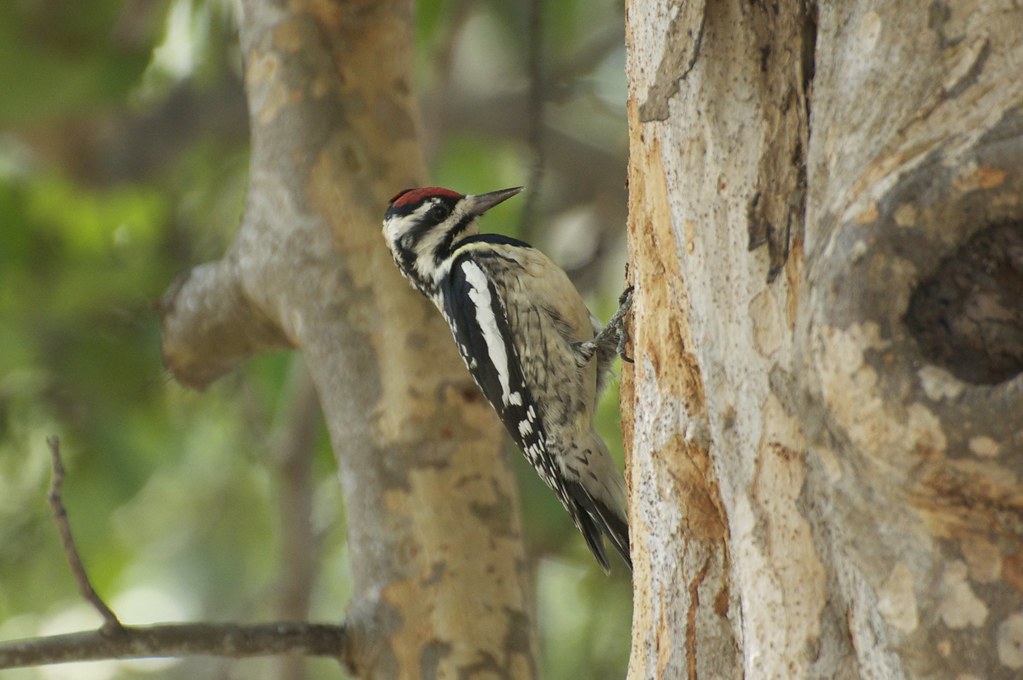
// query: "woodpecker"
[[530, 343]]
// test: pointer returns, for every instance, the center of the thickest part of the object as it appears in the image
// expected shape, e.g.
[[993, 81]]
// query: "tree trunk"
[[441, 588], [827, 244]]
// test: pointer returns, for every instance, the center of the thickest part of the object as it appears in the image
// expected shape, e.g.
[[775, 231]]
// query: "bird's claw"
[[618, 322]]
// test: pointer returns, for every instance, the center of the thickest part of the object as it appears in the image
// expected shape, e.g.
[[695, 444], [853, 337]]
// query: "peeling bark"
[[440, 578], [844, 404]]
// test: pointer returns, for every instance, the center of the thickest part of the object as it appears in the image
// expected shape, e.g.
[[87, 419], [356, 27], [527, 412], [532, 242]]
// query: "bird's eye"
[[439, 212]]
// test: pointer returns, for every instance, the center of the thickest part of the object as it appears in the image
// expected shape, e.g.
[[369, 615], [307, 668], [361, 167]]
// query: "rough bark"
[[826, 236], [436, 551]]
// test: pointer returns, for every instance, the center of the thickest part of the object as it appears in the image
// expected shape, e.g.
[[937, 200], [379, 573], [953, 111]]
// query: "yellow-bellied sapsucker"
[[533, 348]]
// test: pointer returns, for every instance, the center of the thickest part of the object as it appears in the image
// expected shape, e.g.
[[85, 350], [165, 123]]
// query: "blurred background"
[[123, 162]]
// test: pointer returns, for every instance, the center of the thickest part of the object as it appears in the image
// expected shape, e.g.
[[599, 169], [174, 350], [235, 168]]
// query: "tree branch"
[[116, 641], [210, 325], [309, 268], [110, 621], [175, 640]]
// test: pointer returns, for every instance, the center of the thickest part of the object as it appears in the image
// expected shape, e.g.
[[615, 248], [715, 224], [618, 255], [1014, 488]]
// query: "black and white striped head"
[[423, 226]]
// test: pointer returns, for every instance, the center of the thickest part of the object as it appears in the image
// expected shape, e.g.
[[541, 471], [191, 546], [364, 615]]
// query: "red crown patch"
[[414, 196]]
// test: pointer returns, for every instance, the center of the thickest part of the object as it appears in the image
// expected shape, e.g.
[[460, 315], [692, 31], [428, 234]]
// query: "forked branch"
[[117, 641]]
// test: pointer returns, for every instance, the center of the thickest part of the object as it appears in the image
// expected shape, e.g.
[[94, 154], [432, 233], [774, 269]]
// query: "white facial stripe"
[[483, 303], [428, 242], [398, 226]]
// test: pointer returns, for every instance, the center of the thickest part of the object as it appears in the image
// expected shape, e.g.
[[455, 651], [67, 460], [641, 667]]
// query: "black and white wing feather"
[[480, 323]]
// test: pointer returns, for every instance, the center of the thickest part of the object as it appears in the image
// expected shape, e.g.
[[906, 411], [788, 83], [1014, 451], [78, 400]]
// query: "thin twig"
[[535, 112], [299, 543], [110, 620], [177, 640]]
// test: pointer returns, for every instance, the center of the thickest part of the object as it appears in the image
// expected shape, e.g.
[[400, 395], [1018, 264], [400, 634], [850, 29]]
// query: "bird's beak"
[[480, 203]]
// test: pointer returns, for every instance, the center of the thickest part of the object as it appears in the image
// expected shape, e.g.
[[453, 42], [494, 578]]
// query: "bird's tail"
[[599, 494]]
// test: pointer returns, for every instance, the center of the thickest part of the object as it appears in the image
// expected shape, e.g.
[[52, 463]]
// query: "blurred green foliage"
[[123, 163]]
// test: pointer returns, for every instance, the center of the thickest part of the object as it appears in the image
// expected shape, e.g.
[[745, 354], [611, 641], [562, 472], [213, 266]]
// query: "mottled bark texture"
[[826, 236], [437, 559]]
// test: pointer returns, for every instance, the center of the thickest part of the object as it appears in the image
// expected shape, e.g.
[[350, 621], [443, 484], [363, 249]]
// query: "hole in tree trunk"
[[968, 315]]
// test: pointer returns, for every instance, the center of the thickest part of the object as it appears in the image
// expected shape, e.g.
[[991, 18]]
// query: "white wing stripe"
[[483, 305]]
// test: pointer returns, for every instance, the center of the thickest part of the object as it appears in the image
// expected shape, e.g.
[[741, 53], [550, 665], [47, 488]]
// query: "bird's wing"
[[479, 321]]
